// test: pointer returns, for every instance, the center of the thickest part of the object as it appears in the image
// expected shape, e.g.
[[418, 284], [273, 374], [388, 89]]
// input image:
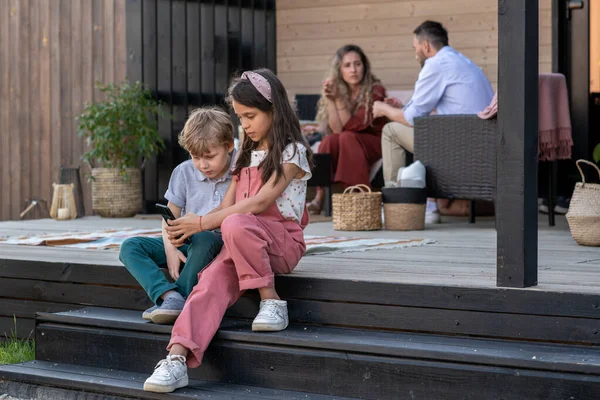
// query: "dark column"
[[516, 203]]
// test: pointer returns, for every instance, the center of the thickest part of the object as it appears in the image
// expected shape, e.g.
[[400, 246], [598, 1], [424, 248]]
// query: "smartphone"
[[167, 214]]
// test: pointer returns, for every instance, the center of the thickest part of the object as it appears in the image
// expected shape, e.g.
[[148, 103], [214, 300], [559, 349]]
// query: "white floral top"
[[293, 199]]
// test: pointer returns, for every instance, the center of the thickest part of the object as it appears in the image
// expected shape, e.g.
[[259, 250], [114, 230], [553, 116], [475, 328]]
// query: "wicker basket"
[[584, 210], [357, 209], [404, 208], [114, 196]]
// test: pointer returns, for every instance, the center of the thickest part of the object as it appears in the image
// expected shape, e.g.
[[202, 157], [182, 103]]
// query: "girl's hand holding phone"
[[182, 228]]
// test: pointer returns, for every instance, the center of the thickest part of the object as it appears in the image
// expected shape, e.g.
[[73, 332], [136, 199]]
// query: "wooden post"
[[516, 202], [556, 35]]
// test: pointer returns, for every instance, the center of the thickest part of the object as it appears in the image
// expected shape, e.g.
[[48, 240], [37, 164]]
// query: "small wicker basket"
[[404, 208], [114, 196], [584, 210], [357, 209]]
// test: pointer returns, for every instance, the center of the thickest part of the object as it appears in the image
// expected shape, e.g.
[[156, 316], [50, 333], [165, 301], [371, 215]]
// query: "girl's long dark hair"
[[285, 128]]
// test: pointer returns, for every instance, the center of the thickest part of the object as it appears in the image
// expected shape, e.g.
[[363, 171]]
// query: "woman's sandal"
[[314, 207]]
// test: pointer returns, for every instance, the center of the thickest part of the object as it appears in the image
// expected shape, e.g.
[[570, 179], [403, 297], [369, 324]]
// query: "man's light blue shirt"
[[450, 83]]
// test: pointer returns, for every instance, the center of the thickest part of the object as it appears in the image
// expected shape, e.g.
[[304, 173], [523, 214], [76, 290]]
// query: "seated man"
[[448, 82]]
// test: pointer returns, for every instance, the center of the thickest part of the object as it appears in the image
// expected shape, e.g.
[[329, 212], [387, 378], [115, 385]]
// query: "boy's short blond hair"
[[206, 127]]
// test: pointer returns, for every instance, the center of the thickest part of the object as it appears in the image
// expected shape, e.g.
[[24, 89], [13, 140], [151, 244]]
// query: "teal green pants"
[[145, 256]]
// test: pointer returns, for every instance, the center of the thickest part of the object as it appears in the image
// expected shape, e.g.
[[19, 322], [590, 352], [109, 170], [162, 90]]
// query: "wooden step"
[[67, 381], [358, 363], [52, 280]]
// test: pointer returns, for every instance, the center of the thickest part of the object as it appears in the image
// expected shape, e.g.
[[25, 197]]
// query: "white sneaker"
[[169, 374], [272, 317], [432, 217]]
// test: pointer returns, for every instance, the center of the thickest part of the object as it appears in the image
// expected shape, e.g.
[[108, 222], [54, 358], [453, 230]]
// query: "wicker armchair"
[[459, 152]]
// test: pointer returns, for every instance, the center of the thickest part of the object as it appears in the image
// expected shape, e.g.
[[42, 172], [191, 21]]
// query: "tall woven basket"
[[357, 209], [584, 210], [115, 196], [404, 208]]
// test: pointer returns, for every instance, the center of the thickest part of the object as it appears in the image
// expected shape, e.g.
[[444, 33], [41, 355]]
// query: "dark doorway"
[[594, 74], [186, 52], [573, 45], [579, 59]]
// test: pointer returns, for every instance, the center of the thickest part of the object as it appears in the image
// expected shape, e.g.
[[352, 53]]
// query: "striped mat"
[[112, 239]]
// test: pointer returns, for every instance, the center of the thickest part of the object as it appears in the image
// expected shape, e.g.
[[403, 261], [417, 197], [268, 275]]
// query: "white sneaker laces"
[[165, 366], [271, 309]]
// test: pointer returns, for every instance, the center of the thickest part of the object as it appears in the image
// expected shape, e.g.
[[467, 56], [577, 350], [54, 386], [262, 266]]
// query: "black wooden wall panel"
[[186, 52]]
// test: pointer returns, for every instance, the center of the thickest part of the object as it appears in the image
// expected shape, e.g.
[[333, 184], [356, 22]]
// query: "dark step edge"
[[81, 317], [535, 356], [536, 301], [122, 383]]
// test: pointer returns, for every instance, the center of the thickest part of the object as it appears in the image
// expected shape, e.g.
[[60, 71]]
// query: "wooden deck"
[[464, 255], [429, 320]]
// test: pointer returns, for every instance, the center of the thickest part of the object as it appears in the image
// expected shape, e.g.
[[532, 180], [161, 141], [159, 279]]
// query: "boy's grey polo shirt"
[[193, 192]]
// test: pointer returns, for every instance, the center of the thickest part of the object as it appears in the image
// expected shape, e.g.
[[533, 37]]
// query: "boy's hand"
[[174, 260], [183, 228]]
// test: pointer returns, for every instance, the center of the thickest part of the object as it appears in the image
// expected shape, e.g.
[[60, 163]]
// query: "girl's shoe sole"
[[150, 387], [268, 327]]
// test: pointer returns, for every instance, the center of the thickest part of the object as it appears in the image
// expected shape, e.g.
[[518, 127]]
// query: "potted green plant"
[[121, 133]]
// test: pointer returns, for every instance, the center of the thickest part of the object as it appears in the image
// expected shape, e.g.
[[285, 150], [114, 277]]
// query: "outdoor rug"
[[112, 239]]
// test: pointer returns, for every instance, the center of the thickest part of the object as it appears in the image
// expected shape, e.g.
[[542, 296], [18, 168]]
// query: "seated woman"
[[352, 136]]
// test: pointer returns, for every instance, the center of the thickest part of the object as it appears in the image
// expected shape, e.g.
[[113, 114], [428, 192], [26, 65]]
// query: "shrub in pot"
[[121, 133]]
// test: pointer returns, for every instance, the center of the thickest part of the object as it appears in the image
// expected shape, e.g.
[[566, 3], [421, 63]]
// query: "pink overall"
[[256, 247]]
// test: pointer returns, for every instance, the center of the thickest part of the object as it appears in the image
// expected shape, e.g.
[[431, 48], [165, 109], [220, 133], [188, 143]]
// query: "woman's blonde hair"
[[206, 127], [365, 97]]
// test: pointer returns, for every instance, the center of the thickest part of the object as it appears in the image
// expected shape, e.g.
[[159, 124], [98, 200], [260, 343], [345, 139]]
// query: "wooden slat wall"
[[310, 31], [186, 52], [52, 52]]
